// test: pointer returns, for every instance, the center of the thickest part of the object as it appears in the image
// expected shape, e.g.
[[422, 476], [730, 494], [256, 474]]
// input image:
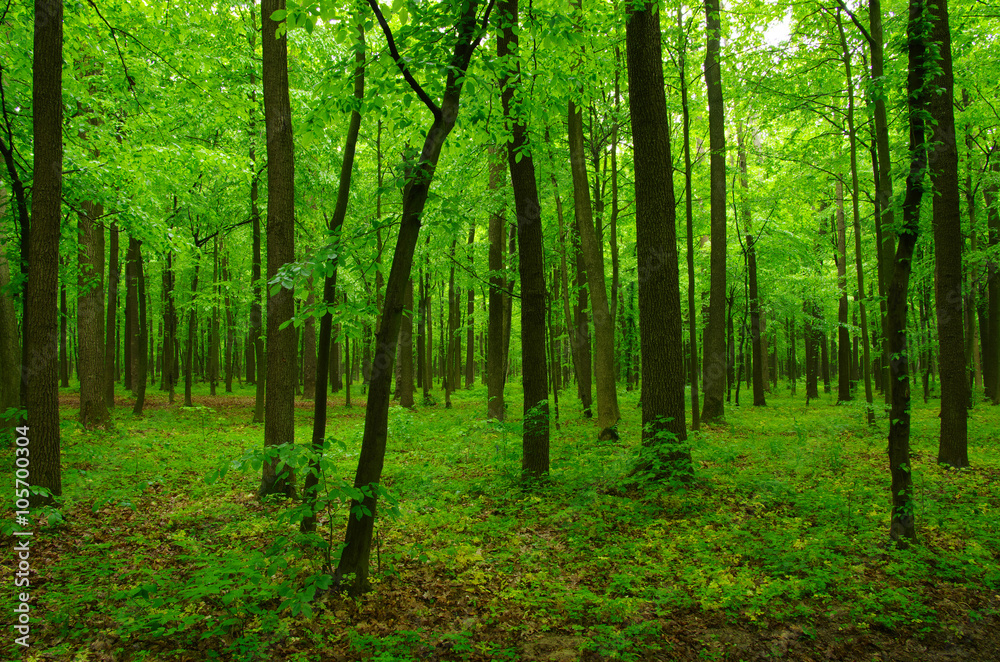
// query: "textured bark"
[[604, 333], [714, 362], [40, 323], [531, 269], [948, 244], [90, 319], [663, 431], [902, 523], [689, 216], [494, 340], [279, 402]]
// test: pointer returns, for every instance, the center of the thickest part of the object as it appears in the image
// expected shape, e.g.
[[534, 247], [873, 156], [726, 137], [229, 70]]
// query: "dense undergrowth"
[[777, 548]]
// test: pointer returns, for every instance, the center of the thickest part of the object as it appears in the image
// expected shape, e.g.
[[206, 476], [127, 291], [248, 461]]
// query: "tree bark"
[[406, 349], [142, 332], [354, 559], [470, 326], [948, 244], [531, 268], [309, 368], [991, 360], [843, 336], [664, 434], [689, 215], [279, 422], [90, 319], [714, 365], [494, 340], [189, 350], [10, 341], [63, 335], [40, 323]]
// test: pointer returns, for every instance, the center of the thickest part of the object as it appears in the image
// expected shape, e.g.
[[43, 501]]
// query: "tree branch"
[[394, 52]]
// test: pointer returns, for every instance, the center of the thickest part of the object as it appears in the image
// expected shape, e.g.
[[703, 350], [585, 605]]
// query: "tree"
[[948, 244], [41, 326], [90, 318], [593, 258], [714, 360], [142, 330], [663, 429], [902, 523], [10, 344], [361, 522], [531, 269], [495, 345], [279, 422]]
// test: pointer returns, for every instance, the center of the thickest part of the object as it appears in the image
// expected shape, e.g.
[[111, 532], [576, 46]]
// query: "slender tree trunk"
[[470, 310], [354, 559], [991, 360], [309, 368], [715, 335], [40, 324], [531, 268], [902, 523], [406, 349], [865, 360], [64, 334], [142, 332], [448, 347], [90, 319], [494, 341], [843, 336], [169, 330], [110, 342], [689, 215], [189, 356], [213, 328], [948, 243], [10, 341], [664, 433], [755, 326]]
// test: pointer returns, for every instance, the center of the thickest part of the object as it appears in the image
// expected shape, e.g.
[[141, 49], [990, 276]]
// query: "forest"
[[467, 330]]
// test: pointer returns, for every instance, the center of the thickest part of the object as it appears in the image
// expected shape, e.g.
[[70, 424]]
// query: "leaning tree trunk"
[[90, 319], [714, 360], [39, 367], [948, 244], [354, 558], [663, 430], [902, 523]]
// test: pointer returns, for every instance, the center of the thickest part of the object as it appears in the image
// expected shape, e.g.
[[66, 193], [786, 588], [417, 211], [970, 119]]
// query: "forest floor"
[[776, 550]]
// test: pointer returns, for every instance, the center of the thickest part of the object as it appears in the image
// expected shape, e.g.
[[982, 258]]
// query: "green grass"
[[778, 545]]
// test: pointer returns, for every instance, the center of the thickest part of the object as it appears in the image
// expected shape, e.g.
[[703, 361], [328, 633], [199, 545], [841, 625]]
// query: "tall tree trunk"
[[759, 399], [948, 244], [843, 336], [169, 330], [354, 559], [865, 360], [10, 341], [531, 267], [189, 350], [110, 342], [40, 324], [406, 349], [213, 329], [449, 349], [90, 318], [230, 357], [142, 332], [714, 364], [991, 360], [582, 325], [664, 433], [470, 310], [884, 213], [63, 334], [309, 367], [494, 341], [256, 314], [689, 215], [604, 333], [902, 523], [279, 401]]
